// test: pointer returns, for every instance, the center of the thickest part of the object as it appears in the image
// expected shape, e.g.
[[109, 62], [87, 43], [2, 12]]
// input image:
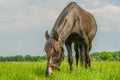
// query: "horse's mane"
[[65, 11]]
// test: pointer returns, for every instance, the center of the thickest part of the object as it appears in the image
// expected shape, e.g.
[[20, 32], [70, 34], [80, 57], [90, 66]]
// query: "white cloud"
[[107, 16], [10, 3], [22, 16], [108, 9], [112, 8]]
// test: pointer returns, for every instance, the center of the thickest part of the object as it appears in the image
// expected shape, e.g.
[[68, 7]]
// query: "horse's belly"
[[75, 38]]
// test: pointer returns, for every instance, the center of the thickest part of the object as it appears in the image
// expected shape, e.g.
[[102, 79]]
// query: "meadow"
[[36, 71]]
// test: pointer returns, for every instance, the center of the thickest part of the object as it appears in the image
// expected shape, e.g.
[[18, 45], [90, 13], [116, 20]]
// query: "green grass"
[[36, 71]]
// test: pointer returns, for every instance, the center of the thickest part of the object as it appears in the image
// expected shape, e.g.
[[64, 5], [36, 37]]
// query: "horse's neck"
[[64, 33], [64, 24]]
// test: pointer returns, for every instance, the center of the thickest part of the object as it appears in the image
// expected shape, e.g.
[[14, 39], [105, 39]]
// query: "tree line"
[[96, 56], [106, 56], [19, 58]]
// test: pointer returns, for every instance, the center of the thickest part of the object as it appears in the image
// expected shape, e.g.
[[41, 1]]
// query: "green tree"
[[95, 55], [2, 59], [106, 56], [28, 58]]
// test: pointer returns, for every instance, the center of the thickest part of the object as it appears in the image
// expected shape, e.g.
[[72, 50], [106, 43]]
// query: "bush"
[[106, 56]]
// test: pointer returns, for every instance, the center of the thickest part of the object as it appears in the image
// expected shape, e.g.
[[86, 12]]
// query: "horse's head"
[[54, 52]]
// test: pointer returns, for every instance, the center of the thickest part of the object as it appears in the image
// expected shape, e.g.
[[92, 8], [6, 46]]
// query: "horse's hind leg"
[[87, 50], [70, 57], [77, 53], [82, 56], [89, 61]]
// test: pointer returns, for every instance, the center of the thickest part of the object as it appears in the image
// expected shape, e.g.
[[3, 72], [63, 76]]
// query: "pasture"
[[36, 71]]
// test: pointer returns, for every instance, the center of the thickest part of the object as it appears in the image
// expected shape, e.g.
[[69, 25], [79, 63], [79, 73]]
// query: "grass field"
[[36, 71]]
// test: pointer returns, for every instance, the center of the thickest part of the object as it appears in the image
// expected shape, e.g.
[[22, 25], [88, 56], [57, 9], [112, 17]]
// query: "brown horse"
[[74, 25]]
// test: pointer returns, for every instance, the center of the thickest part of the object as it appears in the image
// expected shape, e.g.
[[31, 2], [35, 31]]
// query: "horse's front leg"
[[70, 57]]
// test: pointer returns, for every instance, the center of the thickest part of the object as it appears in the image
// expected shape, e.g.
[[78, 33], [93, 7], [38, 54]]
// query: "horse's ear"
[[56, 36], [47, 35]]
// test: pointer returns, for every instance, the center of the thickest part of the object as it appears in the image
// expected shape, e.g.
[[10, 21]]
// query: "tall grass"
[[36, 71]]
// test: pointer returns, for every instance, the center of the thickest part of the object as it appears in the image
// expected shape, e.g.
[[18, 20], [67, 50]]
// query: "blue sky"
[[24, 22]]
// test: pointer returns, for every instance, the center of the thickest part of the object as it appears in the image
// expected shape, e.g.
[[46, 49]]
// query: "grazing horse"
[[73, 25]]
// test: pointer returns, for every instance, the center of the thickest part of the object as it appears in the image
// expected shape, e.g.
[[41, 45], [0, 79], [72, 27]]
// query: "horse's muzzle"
[[52, 65]]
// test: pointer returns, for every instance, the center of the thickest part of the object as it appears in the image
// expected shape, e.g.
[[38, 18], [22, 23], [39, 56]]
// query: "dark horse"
[[74, 25]]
